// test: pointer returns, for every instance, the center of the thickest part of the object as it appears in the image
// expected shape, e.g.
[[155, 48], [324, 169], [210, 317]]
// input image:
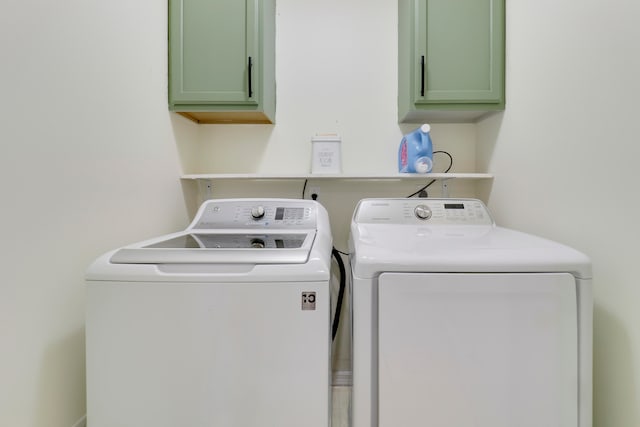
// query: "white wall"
[[565, 155], [88, 162], [336, 71]]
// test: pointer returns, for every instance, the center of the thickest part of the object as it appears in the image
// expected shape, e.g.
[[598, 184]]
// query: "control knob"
[[422, 212], [257, 212], [257, 244]]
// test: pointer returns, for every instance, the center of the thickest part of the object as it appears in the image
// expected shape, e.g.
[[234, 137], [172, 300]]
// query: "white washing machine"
[[225, 324], [458, 322]]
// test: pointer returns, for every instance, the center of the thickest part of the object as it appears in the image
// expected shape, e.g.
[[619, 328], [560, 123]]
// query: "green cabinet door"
[[221, 60], [451, 59]]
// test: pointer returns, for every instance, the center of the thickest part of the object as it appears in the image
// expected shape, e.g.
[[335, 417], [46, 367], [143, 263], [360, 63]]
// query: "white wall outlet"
[[313, 190]]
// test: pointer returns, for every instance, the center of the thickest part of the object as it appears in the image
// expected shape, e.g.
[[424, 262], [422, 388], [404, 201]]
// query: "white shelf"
[[364, 177], [205, 183]]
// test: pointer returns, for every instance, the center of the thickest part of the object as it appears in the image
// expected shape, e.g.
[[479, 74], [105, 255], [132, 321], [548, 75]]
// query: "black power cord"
[[424, 189], [343, 279]]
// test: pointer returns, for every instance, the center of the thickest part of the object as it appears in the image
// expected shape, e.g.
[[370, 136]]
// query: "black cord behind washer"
[[343, 280]]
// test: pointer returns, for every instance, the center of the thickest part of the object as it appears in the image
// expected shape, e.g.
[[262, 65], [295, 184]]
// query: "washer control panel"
[[423, 211], [244, 213]]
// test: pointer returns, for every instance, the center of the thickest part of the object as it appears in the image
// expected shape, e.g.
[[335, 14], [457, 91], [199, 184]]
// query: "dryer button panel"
[[470, 212], [423, 212]]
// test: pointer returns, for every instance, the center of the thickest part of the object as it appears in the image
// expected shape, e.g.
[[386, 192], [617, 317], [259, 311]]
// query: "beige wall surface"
[[565, 155], [88, 162]]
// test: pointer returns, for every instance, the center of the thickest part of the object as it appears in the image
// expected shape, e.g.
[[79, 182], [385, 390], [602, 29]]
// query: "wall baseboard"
[[82, 422]]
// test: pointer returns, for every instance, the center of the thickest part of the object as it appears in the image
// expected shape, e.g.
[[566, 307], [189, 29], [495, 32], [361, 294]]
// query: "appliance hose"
[[343, 279]]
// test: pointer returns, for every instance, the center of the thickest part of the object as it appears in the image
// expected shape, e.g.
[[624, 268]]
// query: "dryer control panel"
[[423, 212]]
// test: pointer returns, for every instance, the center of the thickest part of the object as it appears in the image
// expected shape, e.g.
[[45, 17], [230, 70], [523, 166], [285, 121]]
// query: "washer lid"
[[215, 248]]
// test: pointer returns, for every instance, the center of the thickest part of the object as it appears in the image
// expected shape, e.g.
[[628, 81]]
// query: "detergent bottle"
[[415, 154]]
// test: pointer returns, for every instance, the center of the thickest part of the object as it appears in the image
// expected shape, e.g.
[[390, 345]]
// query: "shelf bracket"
[[205, 189], [445, 187]]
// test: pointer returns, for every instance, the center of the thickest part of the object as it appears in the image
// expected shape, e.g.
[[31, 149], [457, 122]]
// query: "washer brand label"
[[308, 300]]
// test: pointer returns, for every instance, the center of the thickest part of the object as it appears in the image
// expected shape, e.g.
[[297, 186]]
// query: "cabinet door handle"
[[249, 72], [422, 75]]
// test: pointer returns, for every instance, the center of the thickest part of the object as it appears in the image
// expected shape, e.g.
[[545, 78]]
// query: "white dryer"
[[458, 322], [225, 324]]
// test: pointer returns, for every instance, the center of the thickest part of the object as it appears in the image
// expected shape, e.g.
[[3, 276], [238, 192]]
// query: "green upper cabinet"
[[451, 59], [222, 60]]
